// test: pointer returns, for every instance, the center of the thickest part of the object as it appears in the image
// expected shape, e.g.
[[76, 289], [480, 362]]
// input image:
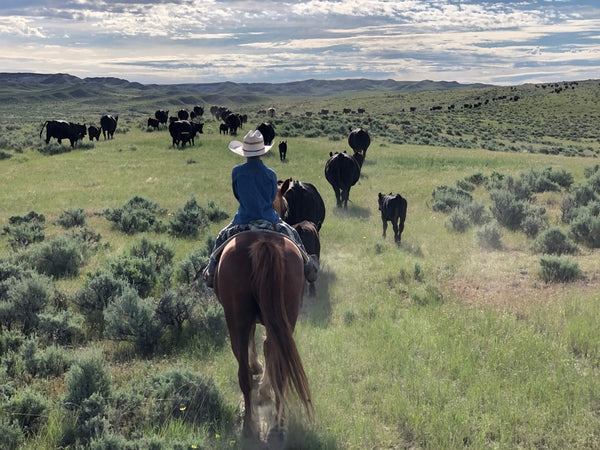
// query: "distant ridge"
[[312, 87]]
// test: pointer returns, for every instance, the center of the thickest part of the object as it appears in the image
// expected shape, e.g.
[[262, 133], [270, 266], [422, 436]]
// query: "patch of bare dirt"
[[517, 293]]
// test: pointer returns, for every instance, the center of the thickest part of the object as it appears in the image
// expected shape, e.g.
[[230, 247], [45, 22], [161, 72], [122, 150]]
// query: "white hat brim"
[[238, 147]]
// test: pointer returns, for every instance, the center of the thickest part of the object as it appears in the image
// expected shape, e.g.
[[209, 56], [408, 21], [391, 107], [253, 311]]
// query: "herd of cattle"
[[62, 129], [306, 209]]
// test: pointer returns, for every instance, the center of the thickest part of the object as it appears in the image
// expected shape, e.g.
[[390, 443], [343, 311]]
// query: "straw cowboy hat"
[[253, 145]]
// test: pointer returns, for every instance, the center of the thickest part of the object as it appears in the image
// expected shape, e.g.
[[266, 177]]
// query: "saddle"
[[260, 226]]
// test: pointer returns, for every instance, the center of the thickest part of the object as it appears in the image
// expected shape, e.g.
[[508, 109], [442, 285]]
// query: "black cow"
[[108, 124], [198, 111], [233, 122], [223, 129], [61, 129], [162, 116], [282, 150], [268, 132], [359, 140], [94, 132], [179, 128], [393, 209], [343, 171], [184, 137], [182, 114], [310, 238], [154, 123], [304, 202]]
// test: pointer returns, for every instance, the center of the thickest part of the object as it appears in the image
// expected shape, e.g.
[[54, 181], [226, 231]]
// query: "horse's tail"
[[283, 360], [45, 123]]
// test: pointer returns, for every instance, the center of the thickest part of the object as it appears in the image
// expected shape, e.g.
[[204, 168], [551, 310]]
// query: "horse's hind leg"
[[239, 345], [255, 365]]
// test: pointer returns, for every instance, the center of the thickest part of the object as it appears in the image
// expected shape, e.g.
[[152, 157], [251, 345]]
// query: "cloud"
[[213, 40]]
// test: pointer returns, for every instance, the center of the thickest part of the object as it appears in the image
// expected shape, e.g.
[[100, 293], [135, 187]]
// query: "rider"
[[255, 187]]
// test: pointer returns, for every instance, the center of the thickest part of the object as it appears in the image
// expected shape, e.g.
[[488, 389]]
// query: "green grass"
[[397, 355]]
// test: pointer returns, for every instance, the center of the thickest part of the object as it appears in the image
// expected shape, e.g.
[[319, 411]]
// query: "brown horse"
[[259, 279]]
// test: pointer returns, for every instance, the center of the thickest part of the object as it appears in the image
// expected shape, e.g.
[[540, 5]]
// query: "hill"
[[30, 84]]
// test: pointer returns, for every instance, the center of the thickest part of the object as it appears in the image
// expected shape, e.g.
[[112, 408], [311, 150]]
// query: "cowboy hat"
[[253, 145]]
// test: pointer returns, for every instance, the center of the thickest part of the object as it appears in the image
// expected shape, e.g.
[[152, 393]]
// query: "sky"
[[205, 41]]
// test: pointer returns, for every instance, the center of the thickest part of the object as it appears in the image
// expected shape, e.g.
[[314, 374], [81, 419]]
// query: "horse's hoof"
[[276, 438], [250, 430]]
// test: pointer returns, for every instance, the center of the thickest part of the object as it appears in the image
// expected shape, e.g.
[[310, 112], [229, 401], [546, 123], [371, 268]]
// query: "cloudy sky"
[[202, 41]]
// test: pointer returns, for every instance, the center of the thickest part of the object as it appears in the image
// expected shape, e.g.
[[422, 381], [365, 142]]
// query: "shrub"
[[100, 288], [189, 269], [507, 209], [91, 418], [478, 179], [175, 306], [25, 299], [136, 272], [476, 212], [583, 193], [25, 230], [446, 198], [158, 254], [61, 327], [72, 217], [208, 318], [188, 219], [87, 376], [51, 361], [215, 213], [555, 269], [137, 215], [540, 180], [554, 242], [568, 207], [28, 409], [60, 257], [54, 148], [459, 220], [535, 220], [561, 177], [585, 229], [182, 394], [11, 341], [465, 185], [131, 318], [11, 434], [490, 236], [9, 273]]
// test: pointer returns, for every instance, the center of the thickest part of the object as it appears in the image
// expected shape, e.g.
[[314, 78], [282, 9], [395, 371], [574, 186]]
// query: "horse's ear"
[[285, 185]]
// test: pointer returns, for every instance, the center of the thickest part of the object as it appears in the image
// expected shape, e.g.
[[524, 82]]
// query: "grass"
[[436, 343]]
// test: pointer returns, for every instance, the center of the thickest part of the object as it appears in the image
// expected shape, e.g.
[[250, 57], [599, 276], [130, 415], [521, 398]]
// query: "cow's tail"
[[43, 126]]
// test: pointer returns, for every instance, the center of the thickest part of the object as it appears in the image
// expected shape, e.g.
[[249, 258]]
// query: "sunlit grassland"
[[396, 354]]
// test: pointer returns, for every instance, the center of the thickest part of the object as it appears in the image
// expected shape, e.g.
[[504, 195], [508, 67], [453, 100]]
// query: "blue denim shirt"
[[255, 187]]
